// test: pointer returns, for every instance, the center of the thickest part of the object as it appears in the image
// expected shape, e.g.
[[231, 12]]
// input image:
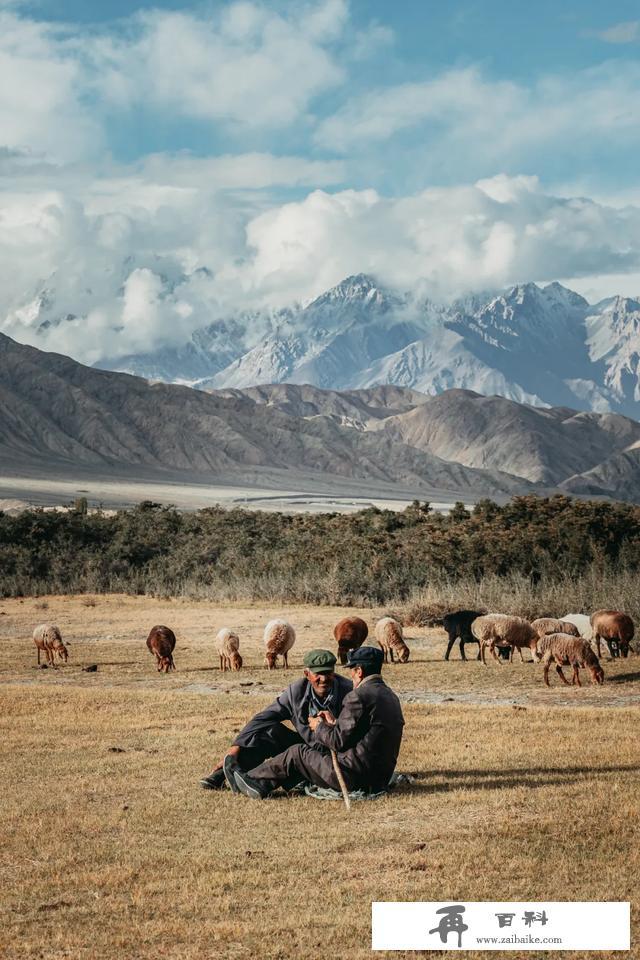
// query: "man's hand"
[[231, 752], [328, 717], [314, 722]]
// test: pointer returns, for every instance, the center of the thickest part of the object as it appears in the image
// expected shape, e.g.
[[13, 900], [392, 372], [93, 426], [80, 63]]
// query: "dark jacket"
[[367, 734], [293, 705]]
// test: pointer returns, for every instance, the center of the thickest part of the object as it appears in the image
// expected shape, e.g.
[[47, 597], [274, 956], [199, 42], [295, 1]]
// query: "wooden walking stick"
[[343, 786]]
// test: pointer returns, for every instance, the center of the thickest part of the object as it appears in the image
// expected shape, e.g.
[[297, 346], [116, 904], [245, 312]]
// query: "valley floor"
[[521, 792], [302, 496]]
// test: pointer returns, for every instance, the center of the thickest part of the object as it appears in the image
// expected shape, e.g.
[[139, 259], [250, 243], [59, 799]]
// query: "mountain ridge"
[[542, 345], [55, 411]]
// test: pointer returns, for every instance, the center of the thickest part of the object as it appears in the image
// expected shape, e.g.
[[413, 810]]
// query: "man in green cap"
[[265, 735]]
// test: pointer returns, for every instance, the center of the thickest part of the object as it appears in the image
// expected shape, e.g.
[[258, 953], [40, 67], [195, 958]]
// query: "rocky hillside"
[[56, 411]]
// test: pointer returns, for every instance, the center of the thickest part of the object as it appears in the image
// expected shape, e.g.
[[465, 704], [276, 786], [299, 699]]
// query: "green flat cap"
[[320, 661]]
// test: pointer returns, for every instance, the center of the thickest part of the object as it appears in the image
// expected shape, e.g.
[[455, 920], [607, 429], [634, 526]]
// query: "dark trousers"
[[298, 762], [267, 743]]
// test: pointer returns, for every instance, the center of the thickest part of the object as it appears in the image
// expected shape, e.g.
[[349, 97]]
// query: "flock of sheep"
[[565, 642]]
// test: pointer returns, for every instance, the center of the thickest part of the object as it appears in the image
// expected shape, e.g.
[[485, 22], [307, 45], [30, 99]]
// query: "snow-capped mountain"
[[545, 346]]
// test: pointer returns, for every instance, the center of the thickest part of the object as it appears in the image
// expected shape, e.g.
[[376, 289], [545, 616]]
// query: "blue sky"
[[282, 146], [503, 41]]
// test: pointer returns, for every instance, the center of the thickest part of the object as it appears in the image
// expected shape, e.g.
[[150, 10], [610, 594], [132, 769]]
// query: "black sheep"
[[458, 624]]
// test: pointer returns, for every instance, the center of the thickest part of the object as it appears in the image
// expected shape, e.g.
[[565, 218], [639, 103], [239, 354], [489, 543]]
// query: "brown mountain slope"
[[54, 410], [542, 445]]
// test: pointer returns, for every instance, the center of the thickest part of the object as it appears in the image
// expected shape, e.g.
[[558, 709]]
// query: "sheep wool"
[[565, 650], [388, 633], [279, 637], [227, 645]]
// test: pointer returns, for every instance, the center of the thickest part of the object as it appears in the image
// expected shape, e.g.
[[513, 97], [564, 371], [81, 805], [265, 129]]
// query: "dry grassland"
[[112, 851]]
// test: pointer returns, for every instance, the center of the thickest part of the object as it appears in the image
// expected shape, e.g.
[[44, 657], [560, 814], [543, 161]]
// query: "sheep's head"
[[597, 674], [270, 660], [61, 650], [236, 660], [403, 656], [165, 664]]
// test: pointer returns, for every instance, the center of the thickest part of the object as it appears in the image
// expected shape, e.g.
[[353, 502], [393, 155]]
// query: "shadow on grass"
[[502, 779], [624, 677]]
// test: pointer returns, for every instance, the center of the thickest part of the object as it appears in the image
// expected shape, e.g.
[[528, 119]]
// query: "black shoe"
[[229, 766], [251, 788], [215, 780]]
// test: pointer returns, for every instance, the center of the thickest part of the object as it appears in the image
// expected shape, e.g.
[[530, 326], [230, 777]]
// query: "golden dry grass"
[[111, 849]]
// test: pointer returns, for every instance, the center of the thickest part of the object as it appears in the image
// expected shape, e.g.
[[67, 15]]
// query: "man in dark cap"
[[366, 737], [321, 688]]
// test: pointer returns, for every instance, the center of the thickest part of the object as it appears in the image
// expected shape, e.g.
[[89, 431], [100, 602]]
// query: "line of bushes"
[[373, 557]]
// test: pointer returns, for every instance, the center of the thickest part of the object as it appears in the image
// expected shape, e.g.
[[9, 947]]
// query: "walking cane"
[[343, 786]]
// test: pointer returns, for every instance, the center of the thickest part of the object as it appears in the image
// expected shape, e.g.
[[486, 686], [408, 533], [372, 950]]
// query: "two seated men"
[[360, 719]]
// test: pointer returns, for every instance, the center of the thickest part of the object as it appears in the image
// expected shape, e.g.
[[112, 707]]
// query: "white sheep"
[[47, 638], [227, 645], [388, 633], [501, 630], [279, 637]]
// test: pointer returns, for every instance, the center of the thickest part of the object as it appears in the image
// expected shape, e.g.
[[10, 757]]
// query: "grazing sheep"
[[227, 644], [47, 638], [615, 628], [582, 622], [501, 630], [279, 637], [458, 624], [349, 633], [566, 650], [161, 642], [389, 636], [546, 625]]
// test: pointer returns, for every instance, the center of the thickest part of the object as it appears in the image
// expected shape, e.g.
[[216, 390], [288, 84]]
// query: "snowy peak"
[[359, 287]]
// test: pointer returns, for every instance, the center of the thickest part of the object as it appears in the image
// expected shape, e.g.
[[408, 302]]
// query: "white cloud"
[[627, 32], [466, 118], [249, 65], [41, 106], [135, 269]]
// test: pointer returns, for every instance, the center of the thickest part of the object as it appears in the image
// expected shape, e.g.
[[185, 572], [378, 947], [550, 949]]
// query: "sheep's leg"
[[479, 648], [391, 654], [492, 647], [482, 651], [521, 656], [561, 674], [286, 661], [597, 639], [546, 674], [452, 640], [576, 675], [38, 652]]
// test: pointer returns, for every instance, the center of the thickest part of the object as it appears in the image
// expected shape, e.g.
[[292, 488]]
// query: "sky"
[[164, 164]]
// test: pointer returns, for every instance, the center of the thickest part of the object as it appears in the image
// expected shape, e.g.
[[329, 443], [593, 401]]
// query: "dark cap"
[[369, 657], [320, 661]]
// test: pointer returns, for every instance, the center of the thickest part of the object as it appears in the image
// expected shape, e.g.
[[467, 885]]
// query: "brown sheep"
[[389, 636], [349, 633], [227, 644], [501, 630], [161, 642], [279, 637], [546, 625], [615, 628], [48, 639], [566, 650]]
